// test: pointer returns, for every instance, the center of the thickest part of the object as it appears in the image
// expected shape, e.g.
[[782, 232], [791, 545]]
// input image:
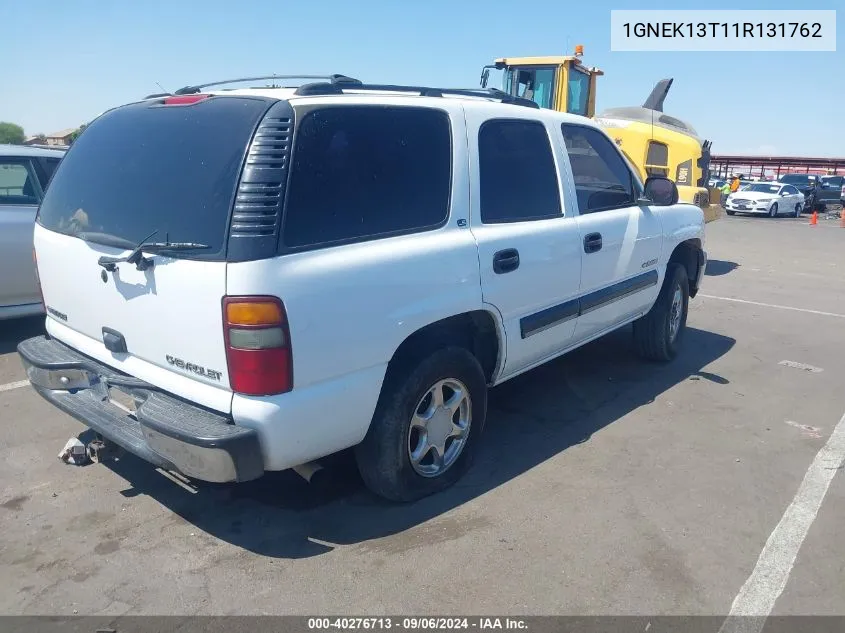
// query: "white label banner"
[[723, 30]]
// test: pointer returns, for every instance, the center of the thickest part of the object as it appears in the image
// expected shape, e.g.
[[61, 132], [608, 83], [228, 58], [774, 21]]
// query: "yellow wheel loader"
[[655, 143]]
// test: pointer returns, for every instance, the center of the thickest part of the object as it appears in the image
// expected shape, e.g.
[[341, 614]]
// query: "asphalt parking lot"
[[606, 485]]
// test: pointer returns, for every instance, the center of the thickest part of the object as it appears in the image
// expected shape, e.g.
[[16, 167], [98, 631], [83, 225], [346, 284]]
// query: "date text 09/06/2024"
[[723, 29], [415, 623]]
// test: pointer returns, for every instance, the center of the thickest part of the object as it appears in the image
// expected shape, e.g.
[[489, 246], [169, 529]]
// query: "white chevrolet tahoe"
[[247, 280]]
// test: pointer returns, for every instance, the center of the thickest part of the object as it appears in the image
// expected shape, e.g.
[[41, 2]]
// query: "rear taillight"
[[185, 99], [258, 348], [37, 277]]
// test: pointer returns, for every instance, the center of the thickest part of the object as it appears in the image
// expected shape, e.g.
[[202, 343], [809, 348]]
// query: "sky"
[[68, 61]]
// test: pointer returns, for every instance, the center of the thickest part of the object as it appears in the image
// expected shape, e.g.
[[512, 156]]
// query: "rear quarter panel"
[[349, 308]]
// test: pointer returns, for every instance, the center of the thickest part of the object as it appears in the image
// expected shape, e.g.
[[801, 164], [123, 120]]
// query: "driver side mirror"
[[660, 191]]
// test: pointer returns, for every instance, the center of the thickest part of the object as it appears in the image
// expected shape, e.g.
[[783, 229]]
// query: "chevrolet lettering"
[[197, 369]]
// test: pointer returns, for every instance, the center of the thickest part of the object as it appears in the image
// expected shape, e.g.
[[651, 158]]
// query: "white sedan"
[[766, 198]]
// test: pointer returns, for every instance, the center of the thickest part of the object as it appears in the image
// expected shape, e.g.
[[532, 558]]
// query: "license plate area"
[[122, 400]]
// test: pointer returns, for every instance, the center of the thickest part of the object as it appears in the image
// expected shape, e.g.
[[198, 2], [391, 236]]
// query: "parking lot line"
[[773, 305], [14, 385], [765, 584]]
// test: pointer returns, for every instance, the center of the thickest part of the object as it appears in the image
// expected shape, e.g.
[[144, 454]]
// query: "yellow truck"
[[654, 142]]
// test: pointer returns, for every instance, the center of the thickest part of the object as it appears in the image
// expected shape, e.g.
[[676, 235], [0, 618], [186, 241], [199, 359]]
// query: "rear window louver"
[[256, 216]]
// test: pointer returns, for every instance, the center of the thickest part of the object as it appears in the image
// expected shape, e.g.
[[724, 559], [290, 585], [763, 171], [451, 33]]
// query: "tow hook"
[[101, 450]]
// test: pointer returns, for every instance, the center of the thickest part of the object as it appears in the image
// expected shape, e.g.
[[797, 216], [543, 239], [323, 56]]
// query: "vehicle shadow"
[[531, 418], [14, 331], [718, 267]]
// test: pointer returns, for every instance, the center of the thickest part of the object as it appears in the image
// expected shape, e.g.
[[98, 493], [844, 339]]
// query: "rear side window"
[[361, 172], [602, 178], [518, 176], [17, 183], [150, 167]]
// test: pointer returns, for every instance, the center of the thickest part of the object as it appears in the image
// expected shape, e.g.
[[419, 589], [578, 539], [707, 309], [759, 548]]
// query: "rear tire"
[[773, 211], [798, 210], [398, 458], [658, 334]]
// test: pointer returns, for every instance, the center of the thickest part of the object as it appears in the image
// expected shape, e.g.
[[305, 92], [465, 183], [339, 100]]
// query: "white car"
[[766, 198], [248, 280], [24, 174]]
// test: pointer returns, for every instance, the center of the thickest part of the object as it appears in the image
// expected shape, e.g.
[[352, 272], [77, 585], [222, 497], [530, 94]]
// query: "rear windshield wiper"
[[143, 263]]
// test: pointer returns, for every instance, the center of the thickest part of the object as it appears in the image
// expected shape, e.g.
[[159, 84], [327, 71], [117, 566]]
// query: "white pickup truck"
[[247, 280]]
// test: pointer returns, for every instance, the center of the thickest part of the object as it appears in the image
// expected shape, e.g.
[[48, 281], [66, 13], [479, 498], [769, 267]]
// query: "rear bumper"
[[163, 430]]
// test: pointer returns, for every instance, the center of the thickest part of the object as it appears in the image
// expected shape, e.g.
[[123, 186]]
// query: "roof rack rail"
[[322, 88], [329, 79]]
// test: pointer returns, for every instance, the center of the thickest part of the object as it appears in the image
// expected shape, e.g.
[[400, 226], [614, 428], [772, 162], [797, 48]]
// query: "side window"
[[602, 179], [48, 167], [18, 185], [518, 177], [537, 85], [657, 159], [791, 190], [359, 172], [578, 92]]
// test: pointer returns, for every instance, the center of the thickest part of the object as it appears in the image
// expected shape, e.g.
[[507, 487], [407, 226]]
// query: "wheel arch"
[[479, 331], [689, 254]]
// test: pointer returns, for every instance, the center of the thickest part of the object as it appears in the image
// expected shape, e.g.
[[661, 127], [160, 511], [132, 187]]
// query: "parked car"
[[24, 175], [767, 198], [288, 272], [829, 192], [806, 184]]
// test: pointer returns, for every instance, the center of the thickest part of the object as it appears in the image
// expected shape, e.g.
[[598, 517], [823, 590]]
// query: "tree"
[[75, 134], [11, 133]]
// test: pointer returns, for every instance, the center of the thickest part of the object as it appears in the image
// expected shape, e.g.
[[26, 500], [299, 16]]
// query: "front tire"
[[773, 210], [426, 426], [730, 212], [658, 334]]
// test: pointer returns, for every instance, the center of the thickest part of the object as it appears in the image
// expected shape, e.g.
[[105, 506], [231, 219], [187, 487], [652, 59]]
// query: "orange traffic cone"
[[814, 219], [842, 218]]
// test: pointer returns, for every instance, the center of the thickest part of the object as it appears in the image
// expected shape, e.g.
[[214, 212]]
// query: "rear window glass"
[[147, 167], [360, 172], [797, 179]]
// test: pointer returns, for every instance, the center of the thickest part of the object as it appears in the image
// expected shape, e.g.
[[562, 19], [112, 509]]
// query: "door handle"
[[505, 261], [592, 242]]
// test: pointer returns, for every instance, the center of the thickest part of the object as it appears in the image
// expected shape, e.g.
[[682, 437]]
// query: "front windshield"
[[762, 188]]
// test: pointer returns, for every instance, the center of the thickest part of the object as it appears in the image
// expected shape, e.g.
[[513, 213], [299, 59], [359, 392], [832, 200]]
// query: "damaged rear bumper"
[[156, 426]]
